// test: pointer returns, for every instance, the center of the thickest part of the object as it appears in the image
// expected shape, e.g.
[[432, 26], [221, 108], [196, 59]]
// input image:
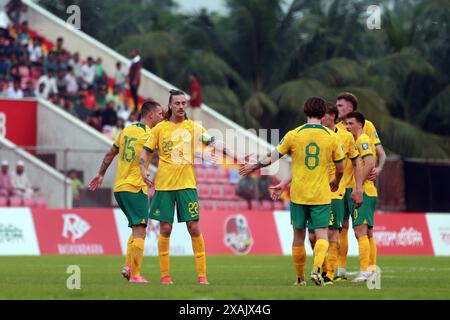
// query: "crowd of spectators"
[[17, 184], [31, 67]]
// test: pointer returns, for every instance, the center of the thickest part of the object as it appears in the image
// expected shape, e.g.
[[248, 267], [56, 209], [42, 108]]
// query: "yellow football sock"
[[373, 254], [299, 257], [364, 252], [198, 245], [332, 259], [163, 252], [325, 264], [343, 248], [128, 254], [320, 250], [137, 254]]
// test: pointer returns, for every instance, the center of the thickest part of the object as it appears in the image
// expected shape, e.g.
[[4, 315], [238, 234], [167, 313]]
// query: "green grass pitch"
[[231, 277]]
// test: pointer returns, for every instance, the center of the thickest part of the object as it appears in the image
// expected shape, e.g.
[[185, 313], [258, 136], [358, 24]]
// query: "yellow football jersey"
[[351, 152], [176, 143], [368, 129], [130, 143], [312, 148], [367, 148]]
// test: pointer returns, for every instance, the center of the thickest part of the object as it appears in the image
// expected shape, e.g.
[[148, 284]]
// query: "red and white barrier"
[[25, 231]]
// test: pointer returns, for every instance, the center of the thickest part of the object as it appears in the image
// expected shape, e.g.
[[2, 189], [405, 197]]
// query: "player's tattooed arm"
[[265, 161], [144, 160], [97, 181]]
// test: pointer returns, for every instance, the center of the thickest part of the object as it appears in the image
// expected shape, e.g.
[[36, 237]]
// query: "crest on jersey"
[[365, 146], [237, 234]]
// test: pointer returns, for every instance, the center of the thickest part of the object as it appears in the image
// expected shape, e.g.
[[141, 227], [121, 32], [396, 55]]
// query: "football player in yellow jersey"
[[177, 140], [130, 190], [346, 103], [362, 218], [351, 167], [312, 148]]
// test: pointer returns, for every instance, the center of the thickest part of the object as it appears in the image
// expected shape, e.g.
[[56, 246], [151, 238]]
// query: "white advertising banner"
[[17, 232], [439, 229], [180, 240], [285, 233]]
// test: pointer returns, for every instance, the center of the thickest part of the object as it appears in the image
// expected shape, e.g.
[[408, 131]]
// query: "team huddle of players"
[[333, 172]]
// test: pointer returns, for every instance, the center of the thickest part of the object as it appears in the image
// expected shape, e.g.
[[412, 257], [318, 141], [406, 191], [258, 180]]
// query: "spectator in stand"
[[134, 76], [39, 92], [80, 108], [28, 92], [120, 78], [134, 117], [4, 66], [14, 9], [78, 188], [115, 98], [88, 74], [14, 74], [51, 62], [6, 187], [23, 37], [109, 115], [100, 99], [90, 99], [49, 82], [263, 183], [196, 96], [21, 183], [14, 91], [61, 83], [4, 24], [59, 50], [117, 129], [75, 63], [3, 88], [35, 52], [247, 189], [124, 111], [94, 120], [101, 79], [72, 83]]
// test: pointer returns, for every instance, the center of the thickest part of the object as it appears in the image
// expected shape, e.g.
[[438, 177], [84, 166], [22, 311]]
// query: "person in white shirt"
[[88, 73], [21, 183], [14, 91], [35, 51], [49, 82], [75, 63], [4, 20], [120, 78], [71, 81]]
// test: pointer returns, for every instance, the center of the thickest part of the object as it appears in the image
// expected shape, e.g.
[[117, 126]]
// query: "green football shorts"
[[134, 205], [349, 206], [336, 216], [163, 205], [311, 216], [365, 213]]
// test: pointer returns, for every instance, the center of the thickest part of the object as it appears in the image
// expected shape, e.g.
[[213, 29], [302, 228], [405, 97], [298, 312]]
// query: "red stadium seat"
[[232, 205], [229, 192], [15, 201], [200, 175], [278, 205], [211, 174], [256, 205], [28, 202], [216, 191], [243, 205], [41, 202], [207, 205], [3, 201], [204, 191], [267, 205], [221, 205], [222, 175]]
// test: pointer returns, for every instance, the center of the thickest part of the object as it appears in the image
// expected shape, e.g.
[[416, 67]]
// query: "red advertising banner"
[[77, 231], [402, 234], [240, 232], [18, 121]]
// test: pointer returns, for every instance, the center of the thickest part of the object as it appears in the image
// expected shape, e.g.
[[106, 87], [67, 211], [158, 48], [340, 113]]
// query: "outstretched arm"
[[267, 160], [97, 181]]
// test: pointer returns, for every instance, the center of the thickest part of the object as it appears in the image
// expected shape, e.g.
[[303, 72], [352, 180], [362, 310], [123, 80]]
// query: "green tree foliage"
[[259, 62]]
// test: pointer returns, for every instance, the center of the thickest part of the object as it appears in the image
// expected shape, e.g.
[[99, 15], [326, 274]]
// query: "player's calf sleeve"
[[364, 252], [320, 250], [163, 252], [137, 254], [299, 257], [129, 249], [373, 254], [343, 248], [198, 245], [332, 259]]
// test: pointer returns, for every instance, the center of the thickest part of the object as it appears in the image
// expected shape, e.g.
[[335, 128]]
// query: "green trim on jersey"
[[313, 126]]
